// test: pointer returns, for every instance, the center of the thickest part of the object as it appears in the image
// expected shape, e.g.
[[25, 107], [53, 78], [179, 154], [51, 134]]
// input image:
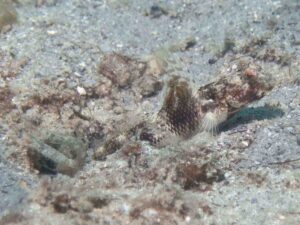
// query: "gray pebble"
[[298, 139]]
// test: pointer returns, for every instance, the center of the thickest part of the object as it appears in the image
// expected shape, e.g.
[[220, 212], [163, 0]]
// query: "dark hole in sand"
[[47, 166], [247, 115]]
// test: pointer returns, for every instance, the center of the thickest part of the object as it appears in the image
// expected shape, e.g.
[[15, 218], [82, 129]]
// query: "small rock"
[[273, 103], [190, 175], [155, 66], [184, 44], [250, 72], [121, 70], [257, 17], [98, 199], [103, 89], [76, 108], [8, 15], [150, 86], [118, 110], [290, 130], [157, 11], [61, 203], [82, 205], [212, 61], [109, 147], [51, 32], [81, 91], [57, 153], [298, 139], [40, 3], [244, 144]]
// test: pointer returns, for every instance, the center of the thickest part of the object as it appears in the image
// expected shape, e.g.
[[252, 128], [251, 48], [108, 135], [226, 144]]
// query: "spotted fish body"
[[183, 113]]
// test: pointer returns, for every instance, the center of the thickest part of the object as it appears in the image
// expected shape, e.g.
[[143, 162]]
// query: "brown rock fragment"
[[150, 86], [61, 203], [8, 15], [190, 175], [82, 205], [109, 147], [120, 69], [6, 104]]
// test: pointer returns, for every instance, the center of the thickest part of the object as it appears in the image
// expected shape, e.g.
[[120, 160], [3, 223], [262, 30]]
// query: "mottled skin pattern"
[[231, 93], [184, 113], [178, 115]]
